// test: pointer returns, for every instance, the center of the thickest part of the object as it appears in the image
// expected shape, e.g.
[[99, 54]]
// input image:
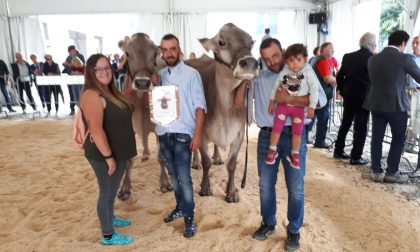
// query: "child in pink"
[[299, 79]]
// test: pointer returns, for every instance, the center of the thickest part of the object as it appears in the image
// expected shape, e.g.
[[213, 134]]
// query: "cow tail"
[[243, 183]]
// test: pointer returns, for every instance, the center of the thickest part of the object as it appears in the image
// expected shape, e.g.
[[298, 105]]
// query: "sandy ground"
[[48, 198]]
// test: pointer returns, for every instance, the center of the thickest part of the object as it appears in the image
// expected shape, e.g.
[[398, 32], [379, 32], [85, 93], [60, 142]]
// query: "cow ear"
[[252, 44], [208, 44]]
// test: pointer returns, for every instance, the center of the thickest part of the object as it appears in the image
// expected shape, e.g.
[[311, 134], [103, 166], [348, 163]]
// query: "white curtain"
[[294, 27], [188, 28], [27, 37], [291, 26], [5, 48], [347, 23]]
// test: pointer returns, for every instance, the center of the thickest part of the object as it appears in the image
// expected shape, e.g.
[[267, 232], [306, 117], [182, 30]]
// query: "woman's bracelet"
[[109, 156]]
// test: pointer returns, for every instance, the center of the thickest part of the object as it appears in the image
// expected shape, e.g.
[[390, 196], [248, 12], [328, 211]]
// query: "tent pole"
[[171, 14], [10, 30]]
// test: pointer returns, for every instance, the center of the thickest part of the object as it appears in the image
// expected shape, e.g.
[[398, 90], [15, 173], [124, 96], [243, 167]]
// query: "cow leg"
[[145, 142], [125, 189], [206, 164], [165, 184], [196, 161], [232, 195], [217, 160]]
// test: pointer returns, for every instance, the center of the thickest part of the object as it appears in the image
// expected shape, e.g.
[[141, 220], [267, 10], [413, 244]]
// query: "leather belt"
[[269, 129]]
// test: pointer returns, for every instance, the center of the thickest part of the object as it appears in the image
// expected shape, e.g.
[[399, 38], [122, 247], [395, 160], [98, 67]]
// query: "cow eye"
[[221, 43], [126, 53]]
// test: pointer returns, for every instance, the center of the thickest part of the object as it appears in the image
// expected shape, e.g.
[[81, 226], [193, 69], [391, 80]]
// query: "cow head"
[[141, 55], [232, 47]]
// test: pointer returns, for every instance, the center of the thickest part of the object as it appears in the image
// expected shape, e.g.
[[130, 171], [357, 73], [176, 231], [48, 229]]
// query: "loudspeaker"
[[317, 18]]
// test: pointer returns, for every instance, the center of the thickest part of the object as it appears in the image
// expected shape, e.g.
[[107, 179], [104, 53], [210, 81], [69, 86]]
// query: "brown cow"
[[142, 56], [224, 123]]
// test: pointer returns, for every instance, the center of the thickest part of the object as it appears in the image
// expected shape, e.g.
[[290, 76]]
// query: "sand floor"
[[48, 196]]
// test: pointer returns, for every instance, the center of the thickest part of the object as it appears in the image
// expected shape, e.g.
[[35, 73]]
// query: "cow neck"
[[220, 60], [226, 85]]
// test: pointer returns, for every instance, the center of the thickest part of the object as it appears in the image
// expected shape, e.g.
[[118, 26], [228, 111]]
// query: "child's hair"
[[295, 50]]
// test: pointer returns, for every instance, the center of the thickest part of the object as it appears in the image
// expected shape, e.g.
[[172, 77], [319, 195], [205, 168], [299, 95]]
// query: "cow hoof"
[[218, 162], [144, 159], [204, 194], [165, 189], [124, 195], [232, 199], [196, 167]]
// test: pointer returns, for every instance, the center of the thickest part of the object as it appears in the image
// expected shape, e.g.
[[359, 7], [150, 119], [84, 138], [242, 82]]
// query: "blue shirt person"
[[180, 138], [272, 57]]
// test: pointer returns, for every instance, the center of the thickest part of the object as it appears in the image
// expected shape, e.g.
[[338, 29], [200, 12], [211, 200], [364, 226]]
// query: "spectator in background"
[[4, 72], [122, 44], [192, 56], [266, 34], [114, 64], [416, 57], [316, 52], [333, 65], [122, 66], [51, 68], [36, 70], [326, 77], [22, 76], [353, 83], [74, 65], [388, 102]]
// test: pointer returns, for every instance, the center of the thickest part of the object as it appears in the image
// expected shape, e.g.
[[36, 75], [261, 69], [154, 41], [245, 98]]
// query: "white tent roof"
[[46, 7]]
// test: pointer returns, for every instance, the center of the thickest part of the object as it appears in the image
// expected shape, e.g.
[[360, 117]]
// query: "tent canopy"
[[46, 7], [347, 21]]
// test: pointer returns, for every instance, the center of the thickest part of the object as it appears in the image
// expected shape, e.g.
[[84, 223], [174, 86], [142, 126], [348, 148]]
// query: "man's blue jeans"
[[322, 117], [294, 179], [176, 152], [5, 94], [398, 123]]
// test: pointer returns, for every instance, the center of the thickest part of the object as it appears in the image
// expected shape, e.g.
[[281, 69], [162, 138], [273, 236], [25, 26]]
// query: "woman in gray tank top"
[[110, 145]]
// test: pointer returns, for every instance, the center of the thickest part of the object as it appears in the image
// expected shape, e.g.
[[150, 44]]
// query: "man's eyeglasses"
[[102, 69], [48, 58]]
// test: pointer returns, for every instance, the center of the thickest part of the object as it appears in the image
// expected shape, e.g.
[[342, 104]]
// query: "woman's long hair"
[[113, 94]]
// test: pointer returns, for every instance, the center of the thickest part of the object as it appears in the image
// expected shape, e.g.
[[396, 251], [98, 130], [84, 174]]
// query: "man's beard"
[[279, 66], [174, 63]]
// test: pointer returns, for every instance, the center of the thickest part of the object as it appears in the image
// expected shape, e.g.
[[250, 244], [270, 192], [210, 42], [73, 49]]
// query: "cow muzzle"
[[246, 68], [141, 83]]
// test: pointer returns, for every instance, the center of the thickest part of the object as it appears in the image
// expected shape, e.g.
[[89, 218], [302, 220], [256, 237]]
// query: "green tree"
[[392, 18]]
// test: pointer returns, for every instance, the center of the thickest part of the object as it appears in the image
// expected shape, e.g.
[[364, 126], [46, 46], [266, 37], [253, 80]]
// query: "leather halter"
[[221, 61]]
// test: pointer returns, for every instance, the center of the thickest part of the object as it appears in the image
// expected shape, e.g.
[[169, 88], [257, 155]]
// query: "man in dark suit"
[[23, 77], [353, 83], [389, 103]]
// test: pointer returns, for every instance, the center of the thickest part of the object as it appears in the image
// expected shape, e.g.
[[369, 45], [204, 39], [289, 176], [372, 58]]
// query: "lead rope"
[[243, 183]]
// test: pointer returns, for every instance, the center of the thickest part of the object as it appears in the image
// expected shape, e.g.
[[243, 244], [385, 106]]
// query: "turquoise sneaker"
[[118, 239], [120, 222]]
